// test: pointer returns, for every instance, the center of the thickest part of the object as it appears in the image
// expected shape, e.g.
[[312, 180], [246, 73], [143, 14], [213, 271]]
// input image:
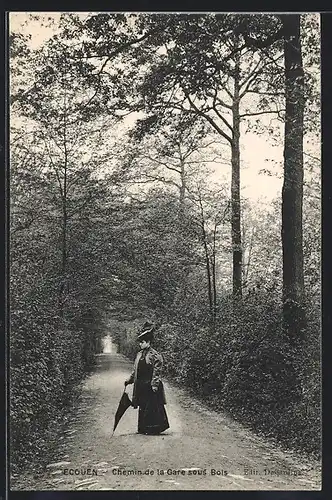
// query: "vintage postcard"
[[165, 251]]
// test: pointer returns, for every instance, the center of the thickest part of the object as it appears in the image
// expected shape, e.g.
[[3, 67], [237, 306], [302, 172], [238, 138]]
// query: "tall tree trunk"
[[209, 280], [235, 190], [64, 242], [207, 262], [64, 284], [214, 281], [251, 244], [182, 183], [292, 191]]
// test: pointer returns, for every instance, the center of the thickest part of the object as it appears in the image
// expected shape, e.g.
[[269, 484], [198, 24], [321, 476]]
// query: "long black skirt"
[[152, 416]]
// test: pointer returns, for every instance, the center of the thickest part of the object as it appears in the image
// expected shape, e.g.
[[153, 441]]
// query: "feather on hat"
[[146, 332]]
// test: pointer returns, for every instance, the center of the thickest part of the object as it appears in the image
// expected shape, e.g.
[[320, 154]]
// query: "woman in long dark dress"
[[148, 391]]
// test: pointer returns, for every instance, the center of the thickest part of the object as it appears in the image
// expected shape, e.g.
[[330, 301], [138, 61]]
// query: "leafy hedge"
[[48, 359], [247, 368]]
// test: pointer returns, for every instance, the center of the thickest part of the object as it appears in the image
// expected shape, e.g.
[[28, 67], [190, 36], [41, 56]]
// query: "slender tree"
[[210, 82]]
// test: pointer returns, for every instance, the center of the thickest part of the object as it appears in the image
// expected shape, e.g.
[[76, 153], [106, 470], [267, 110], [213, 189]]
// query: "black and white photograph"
[[165, 251]]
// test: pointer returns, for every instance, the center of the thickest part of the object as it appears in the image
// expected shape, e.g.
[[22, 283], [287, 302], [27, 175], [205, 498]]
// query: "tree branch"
[[153, 178], [273, 94], [252, 77], [223, 119], [212, 160], [277, 111], [163, 163], [209, 119], [220, 101], [245, 80]]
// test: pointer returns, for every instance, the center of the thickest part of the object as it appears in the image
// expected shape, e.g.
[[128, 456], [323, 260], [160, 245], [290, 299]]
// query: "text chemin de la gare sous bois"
[[182, 472]]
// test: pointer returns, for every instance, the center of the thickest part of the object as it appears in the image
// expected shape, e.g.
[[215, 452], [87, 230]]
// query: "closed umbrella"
[[123, 406]]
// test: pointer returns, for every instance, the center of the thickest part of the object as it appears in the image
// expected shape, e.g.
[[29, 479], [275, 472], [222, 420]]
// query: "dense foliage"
[[246, 366], [122, 210]]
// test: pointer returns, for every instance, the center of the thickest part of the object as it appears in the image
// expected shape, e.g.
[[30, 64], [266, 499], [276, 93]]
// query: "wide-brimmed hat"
[[146, 332]]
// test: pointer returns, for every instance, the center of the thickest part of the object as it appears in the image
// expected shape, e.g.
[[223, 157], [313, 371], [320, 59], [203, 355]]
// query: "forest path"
[[198, 438]]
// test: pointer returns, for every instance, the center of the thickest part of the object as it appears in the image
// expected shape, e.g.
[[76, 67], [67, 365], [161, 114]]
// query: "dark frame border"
[[326, 268]]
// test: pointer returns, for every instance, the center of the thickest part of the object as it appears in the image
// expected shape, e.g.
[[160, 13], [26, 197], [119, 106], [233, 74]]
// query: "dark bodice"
[[144, 370]]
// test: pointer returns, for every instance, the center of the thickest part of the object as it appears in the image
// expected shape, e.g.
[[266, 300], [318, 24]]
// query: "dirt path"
[[203, 450]]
